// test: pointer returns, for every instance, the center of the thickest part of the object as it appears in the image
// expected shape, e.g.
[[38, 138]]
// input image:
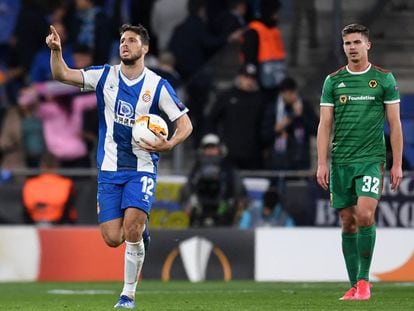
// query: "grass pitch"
[[211, 296]]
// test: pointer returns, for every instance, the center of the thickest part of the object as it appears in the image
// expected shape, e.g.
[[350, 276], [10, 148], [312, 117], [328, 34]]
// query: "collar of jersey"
[[358, 72], [133, 81]]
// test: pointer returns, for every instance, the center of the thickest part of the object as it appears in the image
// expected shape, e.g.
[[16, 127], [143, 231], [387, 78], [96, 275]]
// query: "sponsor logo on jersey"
[[341, 85], [361, 97], [146, 97], [373, 83], [124, 113], [343, 99]]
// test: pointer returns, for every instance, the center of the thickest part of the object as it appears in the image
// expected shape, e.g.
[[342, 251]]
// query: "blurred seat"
[[408, 131], [407, 106], [11, 207]]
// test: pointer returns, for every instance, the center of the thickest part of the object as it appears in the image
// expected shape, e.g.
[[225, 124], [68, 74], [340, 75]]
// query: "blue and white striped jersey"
[[120, 102]]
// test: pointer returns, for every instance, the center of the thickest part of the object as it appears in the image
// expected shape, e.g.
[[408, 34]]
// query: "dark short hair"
[[233, 3], [139, 30], [288, 84], [193, 6], [355, 28], [270, 198]]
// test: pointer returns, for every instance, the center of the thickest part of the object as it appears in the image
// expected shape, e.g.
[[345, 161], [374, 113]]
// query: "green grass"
[[181, 295]]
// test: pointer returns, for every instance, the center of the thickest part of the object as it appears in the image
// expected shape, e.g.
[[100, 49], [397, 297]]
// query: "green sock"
[[350, 251], [366, 243]]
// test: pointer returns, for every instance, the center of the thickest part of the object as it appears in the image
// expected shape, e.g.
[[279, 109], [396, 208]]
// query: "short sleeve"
[[91, 76], [327, 98], [170, 103], [391, 92]]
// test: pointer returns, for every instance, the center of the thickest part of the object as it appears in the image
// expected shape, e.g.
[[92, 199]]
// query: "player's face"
[[131, 48], [356, 47]]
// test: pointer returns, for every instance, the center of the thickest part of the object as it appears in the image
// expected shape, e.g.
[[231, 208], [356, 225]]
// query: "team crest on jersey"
[[124, 113], [343, 99], [146, 97], [373, 83]]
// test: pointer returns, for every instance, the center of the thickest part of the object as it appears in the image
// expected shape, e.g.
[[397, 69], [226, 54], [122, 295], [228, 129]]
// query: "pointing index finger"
[[53, 30]]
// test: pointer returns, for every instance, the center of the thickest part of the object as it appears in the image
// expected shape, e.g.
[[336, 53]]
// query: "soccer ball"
[[145, 127]]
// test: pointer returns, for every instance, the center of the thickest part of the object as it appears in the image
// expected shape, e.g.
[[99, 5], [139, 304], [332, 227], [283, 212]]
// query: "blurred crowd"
[[226, 60]]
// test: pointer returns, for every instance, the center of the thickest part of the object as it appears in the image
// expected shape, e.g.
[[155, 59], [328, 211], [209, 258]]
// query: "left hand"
[[162, 144], [396, 176]]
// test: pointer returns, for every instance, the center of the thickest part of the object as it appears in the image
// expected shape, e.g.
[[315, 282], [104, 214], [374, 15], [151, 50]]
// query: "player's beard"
[[132, 60]]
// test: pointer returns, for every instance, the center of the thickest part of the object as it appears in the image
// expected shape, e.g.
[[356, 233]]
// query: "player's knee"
[[349, 227], [365, 220], [112, 241], [349, 223], [133, 232]]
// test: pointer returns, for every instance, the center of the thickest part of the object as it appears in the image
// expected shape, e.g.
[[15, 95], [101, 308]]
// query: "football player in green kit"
[[356, 99]]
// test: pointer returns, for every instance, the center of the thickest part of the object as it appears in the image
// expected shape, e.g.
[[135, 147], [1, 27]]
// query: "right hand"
[[322, 176], [53, 40]]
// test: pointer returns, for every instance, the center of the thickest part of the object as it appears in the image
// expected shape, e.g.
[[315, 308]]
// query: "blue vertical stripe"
[[155, 109], [101, 114], [126, 159]]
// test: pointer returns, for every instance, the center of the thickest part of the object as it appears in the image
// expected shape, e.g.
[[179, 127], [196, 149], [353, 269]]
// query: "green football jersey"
[[359, 100]]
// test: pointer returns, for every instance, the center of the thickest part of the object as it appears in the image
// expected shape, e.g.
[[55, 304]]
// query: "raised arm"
[[396, 139], [322, 141], [60, 70]]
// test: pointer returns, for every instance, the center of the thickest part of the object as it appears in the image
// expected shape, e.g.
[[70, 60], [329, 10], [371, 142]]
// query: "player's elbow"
[[58, 76], [189, 128]]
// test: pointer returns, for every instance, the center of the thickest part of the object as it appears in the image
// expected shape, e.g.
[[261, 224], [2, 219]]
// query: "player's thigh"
[[369, 181], [341, 186], [139, 192], [109, 202]]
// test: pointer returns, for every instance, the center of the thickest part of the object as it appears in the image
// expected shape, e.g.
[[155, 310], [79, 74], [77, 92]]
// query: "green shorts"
[[350, 181]]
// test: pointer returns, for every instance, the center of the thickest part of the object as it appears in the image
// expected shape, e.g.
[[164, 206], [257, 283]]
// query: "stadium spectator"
[[31, 127], [356, 174], [88, 25], [238, 113], [231, 19], [166, 69], [267, 212], [214, 191], [24, 46], [287, 127], [226, 62], [9, 11], [124, 166], [49, 198], [166, 15], [263, 47], [11, 143], [62, 115], [308, 9], [193, 44]]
